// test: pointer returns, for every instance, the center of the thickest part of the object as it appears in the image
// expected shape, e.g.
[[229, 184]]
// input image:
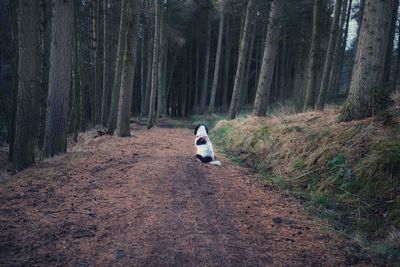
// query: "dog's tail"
[[215, 162]]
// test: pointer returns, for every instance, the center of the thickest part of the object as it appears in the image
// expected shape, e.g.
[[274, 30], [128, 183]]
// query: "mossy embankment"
[[346, 173]]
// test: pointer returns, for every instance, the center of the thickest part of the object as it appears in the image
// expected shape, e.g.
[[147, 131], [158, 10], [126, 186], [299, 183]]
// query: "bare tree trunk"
[[233, 109], [154, 73], [366, 96], [55, 141], [329, 57], [196, 92], [171, 74], [245, 86], [228, 48], [269, 59], [145, 112], [204, 88], [112, 120], [339, 48], [105, 101], [217, 59], [14, 79], [98, 62], [128, 71], [45, 6], [28, 69], [143, 64], [77, 76], [312, 68], [389, 49], [161, 63]]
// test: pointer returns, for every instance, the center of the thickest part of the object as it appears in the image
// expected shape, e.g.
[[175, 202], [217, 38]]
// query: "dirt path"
[[146, 201]]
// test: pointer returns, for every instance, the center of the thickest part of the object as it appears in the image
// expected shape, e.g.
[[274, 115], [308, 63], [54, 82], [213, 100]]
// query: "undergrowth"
[[346, 173]]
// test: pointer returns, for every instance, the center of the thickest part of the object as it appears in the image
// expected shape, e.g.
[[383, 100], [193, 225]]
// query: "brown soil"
[[146, 201]]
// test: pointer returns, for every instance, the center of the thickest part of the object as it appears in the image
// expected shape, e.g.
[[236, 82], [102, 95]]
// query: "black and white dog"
[[204, 148]]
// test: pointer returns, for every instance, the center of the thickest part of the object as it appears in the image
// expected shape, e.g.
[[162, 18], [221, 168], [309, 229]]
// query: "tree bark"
[[55, 141], [154, 73], [340, 49], [204, 88], [329, 57], [105, 100], [14, 79], [112, 120], [233, 109], [389, 49], [366, 95], [217, 59], [28, 70], [269, 58], [313, 62], [77, 76], [161, 90], [196, 92], [99, 61], [128, 71], [145, 111], [228, 48]]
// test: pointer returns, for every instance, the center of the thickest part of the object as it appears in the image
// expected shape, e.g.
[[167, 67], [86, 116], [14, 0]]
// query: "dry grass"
[[350, 168]]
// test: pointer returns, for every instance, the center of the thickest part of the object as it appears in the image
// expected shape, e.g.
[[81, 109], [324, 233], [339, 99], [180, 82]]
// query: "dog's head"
[[201, 129]]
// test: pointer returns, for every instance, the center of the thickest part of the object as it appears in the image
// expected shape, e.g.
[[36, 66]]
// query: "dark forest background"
[[68, 66]]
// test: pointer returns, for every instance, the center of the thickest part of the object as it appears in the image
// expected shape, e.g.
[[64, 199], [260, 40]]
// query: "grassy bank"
[[346, 173]]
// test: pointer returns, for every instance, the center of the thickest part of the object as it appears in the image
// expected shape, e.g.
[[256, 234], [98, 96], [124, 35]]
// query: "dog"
[[204, 148]]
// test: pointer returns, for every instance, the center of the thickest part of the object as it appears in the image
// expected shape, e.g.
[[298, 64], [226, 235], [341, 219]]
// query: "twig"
[[303, 175]]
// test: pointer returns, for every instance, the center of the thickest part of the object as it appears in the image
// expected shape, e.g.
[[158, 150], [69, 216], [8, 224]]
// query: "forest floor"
[[146, 201]]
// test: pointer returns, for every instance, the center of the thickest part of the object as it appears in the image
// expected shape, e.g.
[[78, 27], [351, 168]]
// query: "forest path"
[[146, 201]]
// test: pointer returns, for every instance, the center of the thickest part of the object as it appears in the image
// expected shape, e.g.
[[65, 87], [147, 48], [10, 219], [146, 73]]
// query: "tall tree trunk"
[[329, 57], [269, 58], [99, 62], [366, 96], [145, 112], [14, 79], [143, 51], [105, 100], [245, 86], [154, 72], [313, 62], [196, 92], [112, 120], [217, 59], [233, 109], [389, 49], [28, 69], [204, 88], [161, 94], [44, 68], [228, 48], [396, 84], [55, 141], [340, 48], [128, 71], [77, 76]]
